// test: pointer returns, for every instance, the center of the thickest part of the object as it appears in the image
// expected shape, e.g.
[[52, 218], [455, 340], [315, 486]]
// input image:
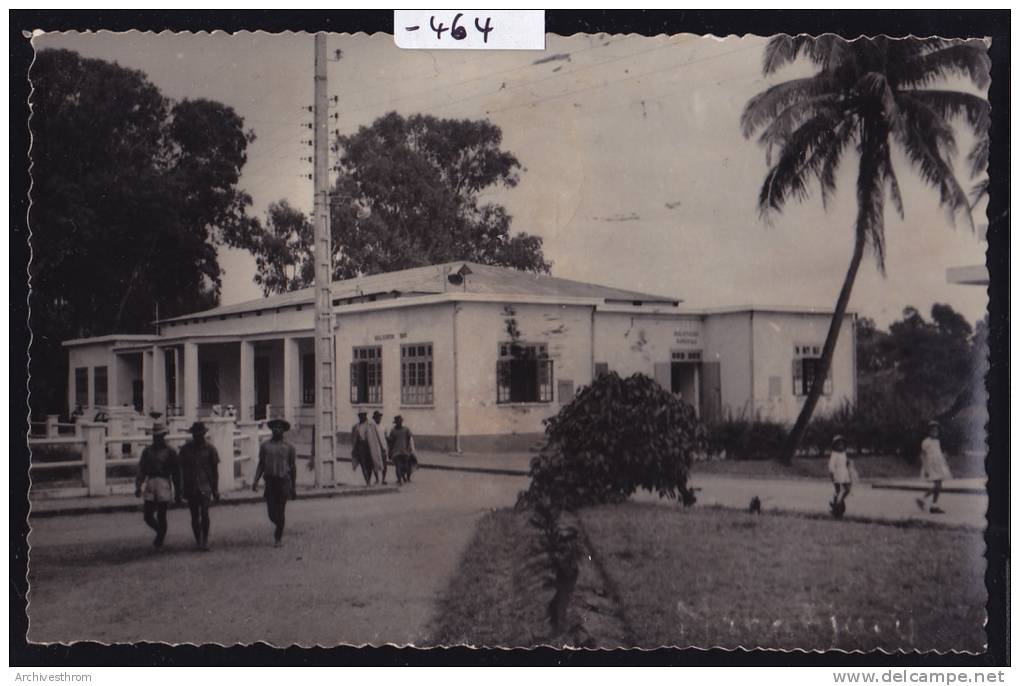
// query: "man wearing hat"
[[158, 470], [200, 480], [278, 464], [401, 449]]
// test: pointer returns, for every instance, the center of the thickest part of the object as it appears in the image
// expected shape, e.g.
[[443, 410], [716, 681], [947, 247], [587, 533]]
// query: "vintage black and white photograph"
[[631, 342]]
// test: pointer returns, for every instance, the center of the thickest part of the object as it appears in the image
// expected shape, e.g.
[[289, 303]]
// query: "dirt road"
[[351, 570]]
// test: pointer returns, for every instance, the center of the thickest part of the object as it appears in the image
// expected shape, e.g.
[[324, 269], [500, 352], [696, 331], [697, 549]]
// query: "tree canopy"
[[132, 193], [867, 96], [408, 194]]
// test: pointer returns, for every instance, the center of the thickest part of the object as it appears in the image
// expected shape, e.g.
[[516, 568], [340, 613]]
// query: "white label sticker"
[[469, 29]]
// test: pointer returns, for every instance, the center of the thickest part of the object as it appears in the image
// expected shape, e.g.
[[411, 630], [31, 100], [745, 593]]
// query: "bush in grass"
[[616, 436], [741, 438]]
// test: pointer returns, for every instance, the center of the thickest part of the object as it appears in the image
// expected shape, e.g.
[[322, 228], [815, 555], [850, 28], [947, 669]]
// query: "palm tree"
[[871, 93]]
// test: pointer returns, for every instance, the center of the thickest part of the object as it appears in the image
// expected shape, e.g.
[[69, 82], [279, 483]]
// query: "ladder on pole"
[[325, 350]]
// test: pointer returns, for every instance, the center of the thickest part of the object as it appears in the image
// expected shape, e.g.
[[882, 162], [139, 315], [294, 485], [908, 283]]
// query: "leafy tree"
[[871, 94], [408, 195], [131, 195]]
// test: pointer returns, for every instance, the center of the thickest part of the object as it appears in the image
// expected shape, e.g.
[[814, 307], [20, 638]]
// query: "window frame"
[[417, 363], [81, 386], [802, 381], [540, 390], [104, 400], [308, 379], [370, 359]]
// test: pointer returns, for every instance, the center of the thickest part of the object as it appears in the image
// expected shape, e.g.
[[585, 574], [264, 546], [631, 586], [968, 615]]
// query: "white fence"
[[96, 447]]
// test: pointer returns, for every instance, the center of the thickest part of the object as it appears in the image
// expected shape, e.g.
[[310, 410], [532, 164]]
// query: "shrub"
[[615, 436], [742, 438]]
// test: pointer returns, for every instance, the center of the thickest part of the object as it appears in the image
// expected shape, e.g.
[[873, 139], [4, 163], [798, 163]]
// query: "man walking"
[[360, 454], [158, 472], [278, 464], [401, 448], [380, 435], [200, 480]]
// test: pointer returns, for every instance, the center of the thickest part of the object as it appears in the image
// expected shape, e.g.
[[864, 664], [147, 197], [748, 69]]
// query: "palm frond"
[[766, 106], [923, 137], [788, 120], [968, 59], [978, 156], [950, 104], [842, 135], [824, 51], [894, 187], [803, 156]]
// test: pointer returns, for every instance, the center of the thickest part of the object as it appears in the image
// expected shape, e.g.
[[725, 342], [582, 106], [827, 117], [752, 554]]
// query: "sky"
[[636, 174]]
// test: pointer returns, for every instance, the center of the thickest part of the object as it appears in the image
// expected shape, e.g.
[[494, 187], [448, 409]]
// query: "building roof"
[[112, 338], [433, 279]]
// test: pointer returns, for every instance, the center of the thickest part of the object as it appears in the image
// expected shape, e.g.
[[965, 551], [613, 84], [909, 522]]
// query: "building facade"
[[474, 357]]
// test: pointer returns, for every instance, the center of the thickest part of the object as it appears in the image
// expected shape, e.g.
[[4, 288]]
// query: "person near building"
[[200, 481], [841, 472], [278, 465], [381, 436], [934, 468], [400, 442], [360, 454], [158, 482]]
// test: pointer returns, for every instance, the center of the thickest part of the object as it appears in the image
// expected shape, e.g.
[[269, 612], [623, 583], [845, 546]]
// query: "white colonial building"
[[474, 357]]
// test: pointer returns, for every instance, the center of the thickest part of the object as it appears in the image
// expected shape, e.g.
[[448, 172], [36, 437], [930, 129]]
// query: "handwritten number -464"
[[458, 32]]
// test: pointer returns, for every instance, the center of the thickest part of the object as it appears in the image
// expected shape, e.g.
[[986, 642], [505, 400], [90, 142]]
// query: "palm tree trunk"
[[818, 384]]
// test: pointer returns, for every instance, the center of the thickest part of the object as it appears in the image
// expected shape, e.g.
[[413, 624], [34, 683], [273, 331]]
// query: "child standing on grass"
[[840, 471], [934, 468]]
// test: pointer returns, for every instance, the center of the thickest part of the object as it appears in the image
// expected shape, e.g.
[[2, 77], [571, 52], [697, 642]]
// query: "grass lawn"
[[870, 467], [714, 577], [496, 597]]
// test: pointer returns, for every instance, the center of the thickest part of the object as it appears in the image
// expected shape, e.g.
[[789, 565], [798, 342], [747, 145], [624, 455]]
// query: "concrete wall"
[[775, 335], [727, 340], [390, 329], [481, 327], [90, 356], [635, 343]]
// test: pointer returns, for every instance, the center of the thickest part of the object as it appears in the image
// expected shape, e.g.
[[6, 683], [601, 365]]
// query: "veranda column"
[[159, 400], [291, 365], [178, 374], [148, 404], [191, 380], [247, 399], [113, 398]]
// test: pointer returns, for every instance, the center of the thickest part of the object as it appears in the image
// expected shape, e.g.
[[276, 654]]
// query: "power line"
[[626, 78], [491, 75]]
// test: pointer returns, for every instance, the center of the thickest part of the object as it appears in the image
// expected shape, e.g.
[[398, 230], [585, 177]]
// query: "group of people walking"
[[166, 477], [372, 448], [934, 468]]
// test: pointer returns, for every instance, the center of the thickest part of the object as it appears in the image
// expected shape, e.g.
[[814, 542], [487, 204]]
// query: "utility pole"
[[325, 396]]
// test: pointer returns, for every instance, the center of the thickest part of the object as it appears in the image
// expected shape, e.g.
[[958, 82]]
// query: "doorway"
[[261, 386]]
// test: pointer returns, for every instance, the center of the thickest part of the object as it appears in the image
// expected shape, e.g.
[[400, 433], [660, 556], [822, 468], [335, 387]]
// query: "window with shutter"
[[524, 373]]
